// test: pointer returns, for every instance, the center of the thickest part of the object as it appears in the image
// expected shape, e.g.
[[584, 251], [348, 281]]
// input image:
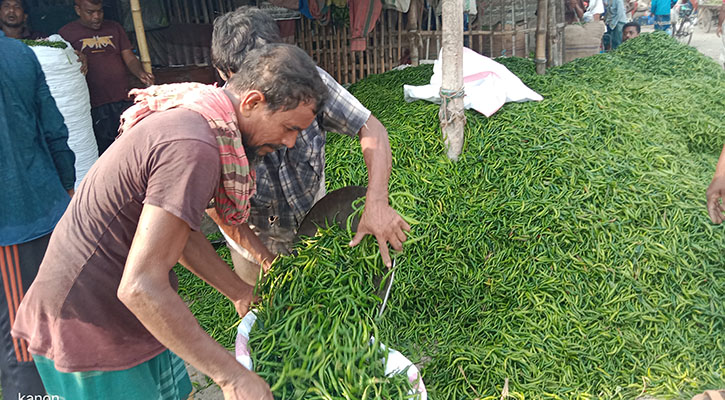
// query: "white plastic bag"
[[396, 364], [487, 85], [69, 89]]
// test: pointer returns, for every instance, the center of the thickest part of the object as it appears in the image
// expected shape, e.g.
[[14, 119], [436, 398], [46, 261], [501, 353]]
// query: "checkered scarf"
[[236, 185]]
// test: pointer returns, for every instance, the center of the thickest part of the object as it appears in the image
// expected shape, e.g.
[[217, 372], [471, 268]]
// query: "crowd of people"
[[618, 14]]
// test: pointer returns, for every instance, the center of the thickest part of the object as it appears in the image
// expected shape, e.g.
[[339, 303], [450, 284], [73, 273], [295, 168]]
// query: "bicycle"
[[683, 29]]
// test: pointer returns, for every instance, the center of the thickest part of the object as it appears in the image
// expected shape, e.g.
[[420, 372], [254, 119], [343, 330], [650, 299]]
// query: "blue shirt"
[[661, 7], [36, 164]]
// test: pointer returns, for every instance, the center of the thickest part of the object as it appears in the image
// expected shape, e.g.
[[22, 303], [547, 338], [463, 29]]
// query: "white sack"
[[487, 85], [69, 89]]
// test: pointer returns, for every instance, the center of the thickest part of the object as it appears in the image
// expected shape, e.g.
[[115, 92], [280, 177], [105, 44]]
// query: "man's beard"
[[16, 24], [252, 155]]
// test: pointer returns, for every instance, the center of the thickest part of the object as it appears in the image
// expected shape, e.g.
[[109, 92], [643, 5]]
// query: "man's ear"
[[223, 75], [251, 101], [78, 10]]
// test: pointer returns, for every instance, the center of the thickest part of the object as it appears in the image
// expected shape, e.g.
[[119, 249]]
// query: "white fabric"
[[397, 363], [487, 85], [399, 5], [69, 89], [595, 7]]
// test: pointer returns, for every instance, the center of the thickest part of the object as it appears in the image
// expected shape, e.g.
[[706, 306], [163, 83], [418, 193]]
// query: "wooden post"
[[550, 33], [413, 31], [143, 48], [451, 113], [541, 24]]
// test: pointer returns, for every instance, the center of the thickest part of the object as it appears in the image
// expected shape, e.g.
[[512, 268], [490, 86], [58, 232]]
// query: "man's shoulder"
[[179, 124], [69, 28]]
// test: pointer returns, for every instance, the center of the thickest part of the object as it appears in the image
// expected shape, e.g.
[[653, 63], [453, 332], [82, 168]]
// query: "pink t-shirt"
[[71, 313]]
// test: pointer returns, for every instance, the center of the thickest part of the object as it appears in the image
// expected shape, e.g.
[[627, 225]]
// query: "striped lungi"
[[19, 265]]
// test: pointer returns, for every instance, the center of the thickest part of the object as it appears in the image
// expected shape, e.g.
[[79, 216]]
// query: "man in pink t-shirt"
[[103, 317], [105, 48]]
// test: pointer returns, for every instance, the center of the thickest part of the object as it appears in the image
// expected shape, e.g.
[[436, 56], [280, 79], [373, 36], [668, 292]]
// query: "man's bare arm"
[[134, 65], [379, 219], [146, 291], [245, 237], [200, 258]]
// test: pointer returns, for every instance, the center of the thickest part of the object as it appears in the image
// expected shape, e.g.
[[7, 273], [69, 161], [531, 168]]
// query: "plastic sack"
[[69, 89], [396, 364], [487, 85]]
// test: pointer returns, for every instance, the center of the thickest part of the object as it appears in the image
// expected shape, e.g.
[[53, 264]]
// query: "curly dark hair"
[[285, 75], [238, 32]]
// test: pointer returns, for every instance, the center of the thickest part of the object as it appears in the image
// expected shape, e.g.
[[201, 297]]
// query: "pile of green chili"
[[312, 339], [568, 250]]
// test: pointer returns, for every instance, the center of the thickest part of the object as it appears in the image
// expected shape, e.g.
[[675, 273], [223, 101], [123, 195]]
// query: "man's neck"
[[13, 32]]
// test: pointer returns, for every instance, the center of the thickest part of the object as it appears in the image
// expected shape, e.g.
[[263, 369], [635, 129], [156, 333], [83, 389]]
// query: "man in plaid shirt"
[[290, 181]]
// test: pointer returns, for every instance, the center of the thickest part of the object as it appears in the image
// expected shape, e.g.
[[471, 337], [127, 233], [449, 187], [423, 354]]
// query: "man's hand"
[[381, 221], [84, 62], [134, 65], [242, 305], [146, 77], [247, 387], [715, 192]]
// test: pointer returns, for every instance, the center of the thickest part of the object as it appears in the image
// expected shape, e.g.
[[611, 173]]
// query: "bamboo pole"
[[550, 33], [376, 33], [361, 63], [427, 41], [526, 27], [338, 66], [143, 48], [541, 25], [451, 115], [413, 32], [349, 76], [513, 28], [400, 36]]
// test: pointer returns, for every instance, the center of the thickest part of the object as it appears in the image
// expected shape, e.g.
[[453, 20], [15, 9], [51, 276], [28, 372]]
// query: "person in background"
[[594, 11], [630, 30], [574, 11], [615, 19], [661, 10], [37, 175], [108, 55], [290, 181], [631, 9], [14, 18]]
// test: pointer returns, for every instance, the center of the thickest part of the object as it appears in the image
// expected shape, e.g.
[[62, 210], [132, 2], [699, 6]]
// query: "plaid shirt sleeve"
[[342, 112]]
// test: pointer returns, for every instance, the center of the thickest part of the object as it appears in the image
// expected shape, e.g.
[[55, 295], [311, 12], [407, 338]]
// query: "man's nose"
[[290, 140]]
